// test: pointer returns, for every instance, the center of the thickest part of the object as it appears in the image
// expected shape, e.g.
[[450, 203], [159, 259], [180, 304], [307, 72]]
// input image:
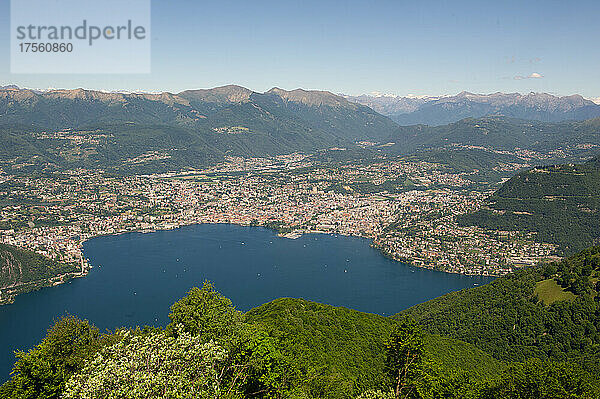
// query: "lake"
[[136, 277]]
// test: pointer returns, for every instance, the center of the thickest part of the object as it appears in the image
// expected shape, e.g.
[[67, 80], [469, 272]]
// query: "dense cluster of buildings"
[[407, 208]]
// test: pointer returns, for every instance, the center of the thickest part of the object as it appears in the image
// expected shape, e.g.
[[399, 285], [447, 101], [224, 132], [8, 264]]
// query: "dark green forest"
[[508, 320], [560, 203]]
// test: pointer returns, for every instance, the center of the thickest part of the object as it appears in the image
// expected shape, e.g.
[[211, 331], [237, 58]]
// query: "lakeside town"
[[407, 208]]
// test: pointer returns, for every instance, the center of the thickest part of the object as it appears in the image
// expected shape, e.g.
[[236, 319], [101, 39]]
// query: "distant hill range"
[[500, 133], [433, 111], [277, 113]]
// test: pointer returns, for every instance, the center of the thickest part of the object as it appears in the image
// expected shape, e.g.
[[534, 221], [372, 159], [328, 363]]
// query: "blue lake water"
[[136, 277]]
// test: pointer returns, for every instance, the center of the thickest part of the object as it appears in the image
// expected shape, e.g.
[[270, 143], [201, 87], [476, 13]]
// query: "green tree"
[[42, 372], [206, 313], [267, 372], [155, 365], [404, 357], [437, 382], [537, 379], [376, 394]]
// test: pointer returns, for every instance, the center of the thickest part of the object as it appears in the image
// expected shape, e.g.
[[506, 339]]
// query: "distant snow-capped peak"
[[411, 96], [595, 100]]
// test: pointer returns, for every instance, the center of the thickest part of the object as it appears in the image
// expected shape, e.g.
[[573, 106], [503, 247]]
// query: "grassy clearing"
[[548, 291]]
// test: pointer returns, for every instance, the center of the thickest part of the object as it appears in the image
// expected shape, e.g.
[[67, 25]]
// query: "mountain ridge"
[[221, 94], [442, 110], [205, 124], [193, 127]]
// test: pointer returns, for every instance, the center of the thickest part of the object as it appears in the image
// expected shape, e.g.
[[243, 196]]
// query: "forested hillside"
[[560, 203], [341, 351], [499, 133], [22, 270], [550, 312]]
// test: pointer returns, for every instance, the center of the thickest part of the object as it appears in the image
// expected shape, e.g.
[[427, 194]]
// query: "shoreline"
[[294, 234], [10, 293]]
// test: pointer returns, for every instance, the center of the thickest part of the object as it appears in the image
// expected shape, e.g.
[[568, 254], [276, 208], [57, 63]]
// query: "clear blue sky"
[[402, 47]]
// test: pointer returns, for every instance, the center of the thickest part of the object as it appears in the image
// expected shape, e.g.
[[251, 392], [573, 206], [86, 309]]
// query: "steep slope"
[[218, 95], [343, 351], [507, 319], [22, 271], [561, 203]]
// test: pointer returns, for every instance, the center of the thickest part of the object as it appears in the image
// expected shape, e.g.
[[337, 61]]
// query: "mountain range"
[[189, 129], [143, 132], [441, 110], [276, 112]]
